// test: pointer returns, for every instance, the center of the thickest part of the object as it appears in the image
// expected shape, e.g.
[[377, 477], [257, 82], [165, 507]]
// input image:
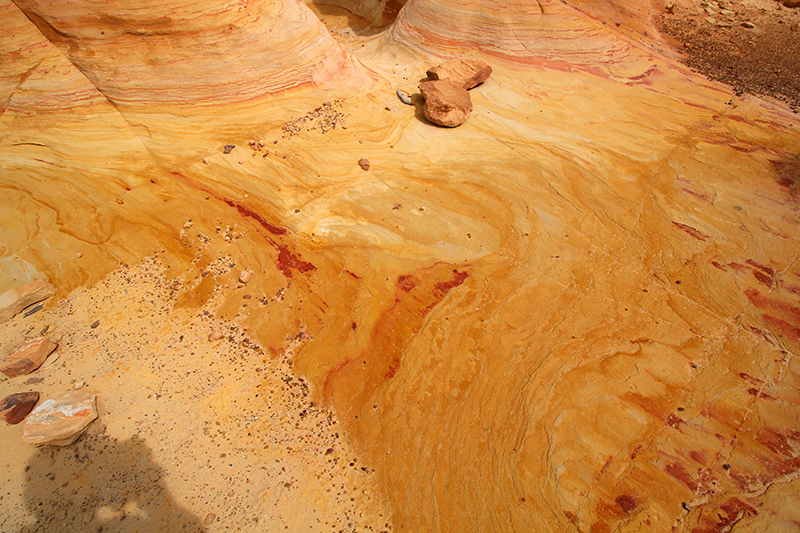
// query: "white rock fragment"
[[61, 419], [245, 276], [24, 358]]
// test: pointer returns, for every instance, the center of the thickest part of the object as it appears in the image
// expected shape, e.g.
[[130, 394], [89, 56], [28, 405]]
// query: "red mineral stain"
[[788, 173], [790, 314], [679, 472], [697, 195], [627, 503], [790, 330], [354, 326], [674, 421], [691, 231], [780, 470], [648, 405], [776, 442], [794, 289], [406, 283], [441, 288], [636, 451], [736, 266], [770, 272], [763, 278], [698, 457], [288, 261], [761, 333], [249, 213], [744, 149], [750, 378], [353, 275], [725, 517], [759, 394], [719, 266]]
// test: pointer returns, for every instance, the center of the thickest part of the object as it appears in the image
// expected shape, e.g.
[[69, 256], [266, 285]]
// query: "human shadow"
[[99, 484]]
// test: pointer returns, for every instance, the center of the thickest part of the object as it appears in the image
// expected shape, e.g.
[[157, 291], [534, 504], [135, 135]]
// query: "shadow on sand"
[[100, 485]]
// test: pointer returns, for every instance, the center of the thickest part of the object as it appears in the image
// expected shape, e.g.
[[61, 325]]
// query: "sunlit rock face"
[[577, 311], [192, 52]]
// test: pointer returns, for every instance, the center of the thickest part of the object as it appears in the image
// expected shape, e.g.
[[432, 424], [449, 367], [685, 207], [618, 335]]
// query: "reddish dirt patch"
[[751, 45]]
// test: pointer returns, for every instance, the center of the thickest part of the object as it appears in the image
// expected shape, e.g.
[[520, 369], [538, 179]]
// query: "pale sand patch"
[[214, 436]]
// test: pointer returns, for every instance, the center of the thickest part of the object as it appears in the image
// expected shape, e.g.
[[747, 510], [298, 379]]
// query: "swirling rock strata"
[[193, 53]]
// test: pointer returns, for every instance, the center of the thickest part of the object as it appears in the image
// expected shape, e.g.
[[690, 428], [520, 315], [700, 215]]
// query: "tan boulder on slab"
[[465, 72], [26, 357], [61, 419], [15, 300], [446, 103]]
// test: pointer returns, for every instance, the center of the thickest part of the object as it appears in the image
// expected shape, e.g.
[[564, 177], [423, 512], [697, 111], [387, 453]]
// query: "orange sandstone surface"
[[577, 311]]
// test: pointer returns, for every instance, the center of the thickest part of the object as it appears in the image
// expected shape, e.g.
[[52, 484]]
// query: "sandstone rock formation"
[[465, 72], [61, 419], [577, 311], [26, 357], [15, 300], [15, 407], [446, 103]]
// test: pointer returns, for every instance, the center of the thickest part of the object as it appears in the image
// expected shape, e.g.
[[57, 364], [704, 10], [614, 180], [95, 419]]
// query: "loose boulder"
[[465, 72], [24, 358], [15, 407], [15, 300], [61, 419], [446, 103]]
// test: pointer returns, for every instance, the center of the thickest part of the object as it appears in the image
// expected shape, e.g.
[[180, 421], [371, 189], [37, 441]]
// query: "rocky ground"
[[193, 434], [752, 45]]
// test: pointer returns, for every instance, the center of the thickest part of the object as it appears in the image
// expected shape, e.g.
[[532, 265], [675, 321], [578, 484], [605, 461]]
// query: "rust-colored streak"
[[441, 288], [415, 294], [761, 333], [698, 457], [406, 283], [788, 315], [627, 503], [288, 261], [636, 451], [763, 278], [352, 274], [674, 421], [724, 517], [744, 149], [648, 405], [697, 195], [769, 271], [777, 443], [719, 266], [791, 331], [249, 213], [697, 234], [678, 471], [759, 394]]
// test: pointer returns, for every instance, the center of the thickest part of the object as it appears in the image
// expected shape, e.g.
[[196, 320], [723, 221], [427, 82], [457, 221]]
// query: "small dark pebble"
[[228, 147], [678, 282], [29, 312], [681, 409], [95, 324], [726, 466]]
